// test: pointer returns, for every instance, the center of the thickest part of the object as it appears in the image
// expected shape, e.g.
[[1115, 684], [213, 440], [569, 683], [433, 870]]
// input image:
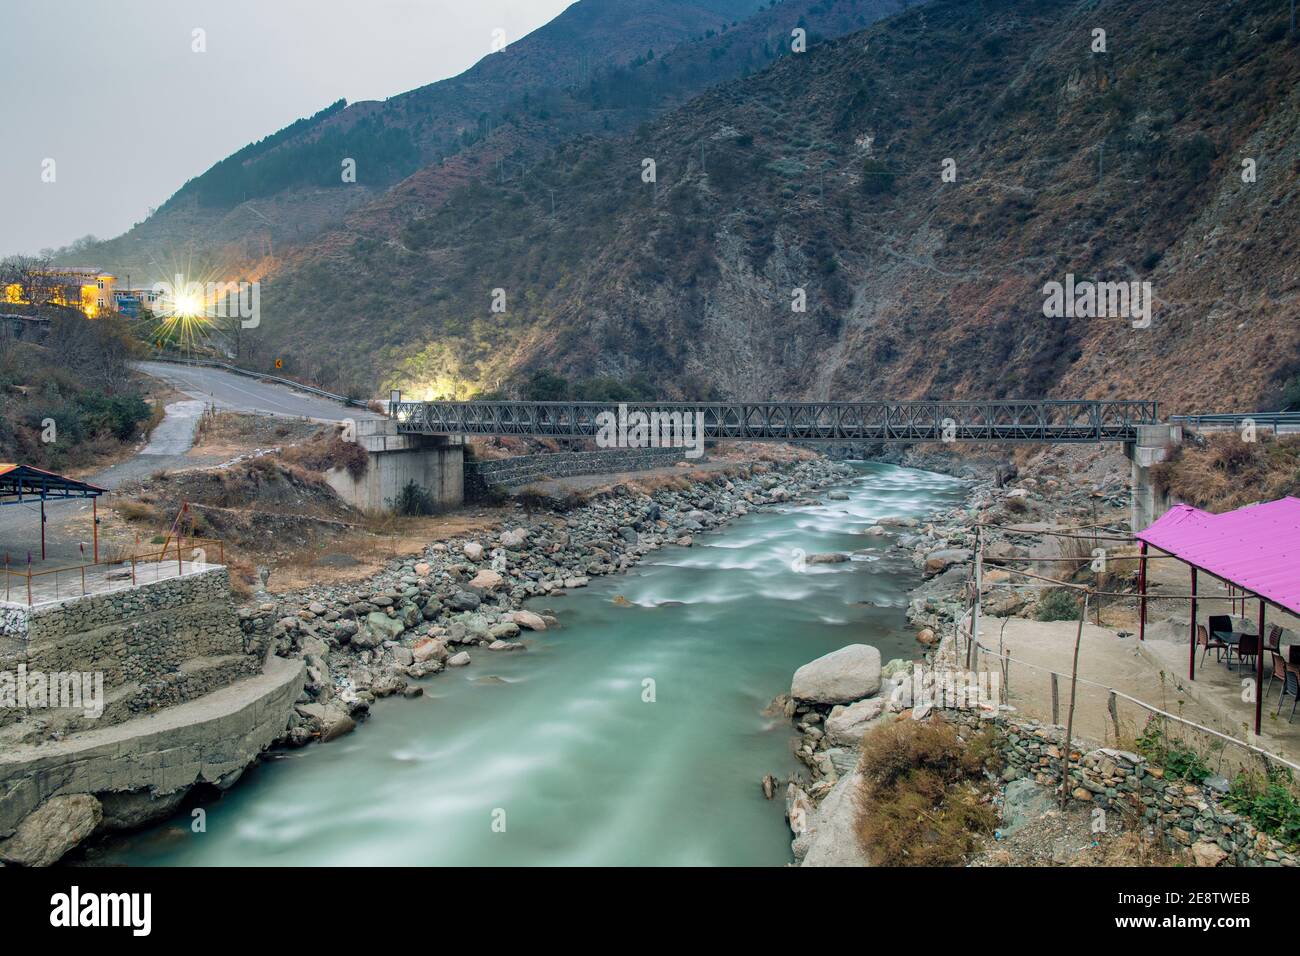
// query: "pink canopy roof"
[[1256, 548]]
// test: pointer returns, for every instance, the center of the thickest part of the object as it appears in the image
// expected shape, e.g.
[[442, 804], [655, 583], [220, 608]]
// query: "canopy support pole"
[[1191, 654], [1142, 590], [1259, 670]]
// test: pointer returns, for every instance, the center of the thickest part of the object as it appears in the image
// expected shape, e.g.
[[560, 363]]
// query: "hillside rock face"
[[879, 216]]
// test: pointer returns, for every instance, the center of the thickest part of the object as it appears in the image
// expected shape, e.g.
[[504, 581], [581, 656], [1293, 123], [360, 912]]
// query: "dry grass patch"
[[326, 452], [1226, 473], [924, 799]]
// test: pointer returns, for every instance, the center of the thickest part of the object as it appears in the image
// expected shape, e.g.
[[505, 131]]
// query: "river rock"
[[832, 557], [473, 550], [379, 628], [332, 720], [132, 809], [937, 561], [458, 660], [428, 649], [513, 539], [798, 809], [898, 522], [833, 838], [842, 676], [465, 601], [52, 829], [529, 620], [846, 725], [486, 580]]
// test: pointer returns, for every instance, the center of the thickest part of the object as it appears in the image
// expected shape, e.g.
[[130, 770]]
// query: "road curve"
[[238, 393]]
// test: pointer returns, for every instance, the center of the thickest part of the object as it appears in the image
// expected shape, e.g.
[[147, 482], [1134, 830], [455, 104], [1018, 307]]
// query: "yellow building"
[[90, 290]]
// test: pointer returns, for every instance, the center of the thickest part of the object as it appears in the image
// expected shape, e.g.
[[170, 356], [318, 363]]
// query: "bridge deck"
[[999, 421]]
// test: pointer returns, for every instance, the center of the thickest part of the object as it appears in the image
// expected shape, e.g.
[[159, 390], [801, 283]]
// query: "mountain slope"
[[288, 186], [824, 173]]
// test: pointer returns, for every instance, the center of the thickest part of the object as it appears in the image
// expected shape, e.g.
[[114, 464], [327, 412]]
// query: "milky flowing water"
[[557, 744]]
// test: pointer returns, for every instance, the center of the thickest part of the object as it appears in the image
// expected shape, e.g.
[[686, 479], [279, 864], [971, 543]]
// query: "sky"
[[114, 93]]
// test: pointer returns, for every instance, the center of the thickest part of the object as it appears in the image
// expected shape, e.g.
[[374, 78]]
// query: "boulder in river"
[[530, 620], [428, 649], [842, 676], [830, 557]]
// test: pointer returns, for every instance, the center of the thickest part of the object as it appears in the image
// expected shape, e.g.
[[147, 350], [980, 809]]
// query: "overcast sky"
[[113, 93]]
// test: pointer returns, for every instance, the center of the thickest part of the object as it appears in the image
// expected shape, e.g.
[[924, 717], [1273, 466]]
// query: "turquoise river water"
[[554, 756]]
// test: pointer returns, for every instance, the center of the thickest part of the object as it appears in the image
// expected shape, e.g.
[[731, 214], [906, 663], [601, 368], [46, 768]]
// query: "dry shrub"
[[923, 796], [137, 511], [1226, 473], [652, 484], [322, 454]]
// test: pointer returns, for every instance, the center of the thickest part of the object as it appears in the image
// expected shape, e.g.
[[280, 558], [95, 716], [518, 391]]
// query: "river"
[[630, 735]]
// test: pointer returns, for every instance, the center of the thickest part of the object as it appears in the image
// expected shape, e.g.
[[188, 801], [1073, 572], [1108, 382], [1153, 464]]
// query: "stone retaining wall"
[[1185, 813], [157, 644], [206, 741], [482, 476]]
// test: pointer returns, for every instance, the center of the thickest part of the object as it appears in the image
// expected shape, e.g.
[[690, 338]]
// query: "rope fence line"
[[963, 630], [1057, 534], [967, 624], [1084, 587], [1148, 707], [1087, 559]]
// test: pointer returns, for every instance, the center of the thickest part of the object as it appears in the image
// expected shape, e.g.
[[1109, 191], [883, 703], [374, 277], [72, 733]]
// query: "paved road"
[[242, 394]]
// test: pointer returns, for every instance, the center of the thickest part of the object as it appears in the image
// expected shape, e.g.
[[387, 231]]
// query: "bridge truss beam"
[[998, 421]]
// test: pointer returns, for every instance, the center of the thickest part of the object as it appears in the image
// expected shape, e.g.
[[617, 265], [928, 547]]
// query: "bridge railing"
[[1235, 419], [1003, 421]]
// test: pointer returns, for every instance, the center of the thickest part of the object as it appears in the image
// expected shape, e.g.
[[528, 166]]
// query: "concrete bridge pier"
[[435, 463], [1154, 444]]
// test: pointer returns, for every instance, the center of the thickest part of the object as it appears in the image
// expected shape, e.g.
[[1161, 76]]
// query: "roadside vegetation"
[[70, 400]]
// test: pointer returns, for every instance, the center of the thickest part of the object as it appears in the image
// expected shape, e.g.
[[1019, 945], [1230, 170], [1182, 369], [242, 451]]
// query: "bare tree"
[[32, 275]]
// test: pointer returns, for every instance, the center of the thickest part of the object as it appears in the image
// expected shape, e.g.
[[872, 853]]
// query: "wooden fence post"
[[1069, 719]]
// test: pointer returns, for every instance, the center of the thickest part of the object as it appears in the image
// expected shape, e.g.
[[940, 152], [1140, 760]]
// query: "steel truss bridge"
[[998, 421]]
